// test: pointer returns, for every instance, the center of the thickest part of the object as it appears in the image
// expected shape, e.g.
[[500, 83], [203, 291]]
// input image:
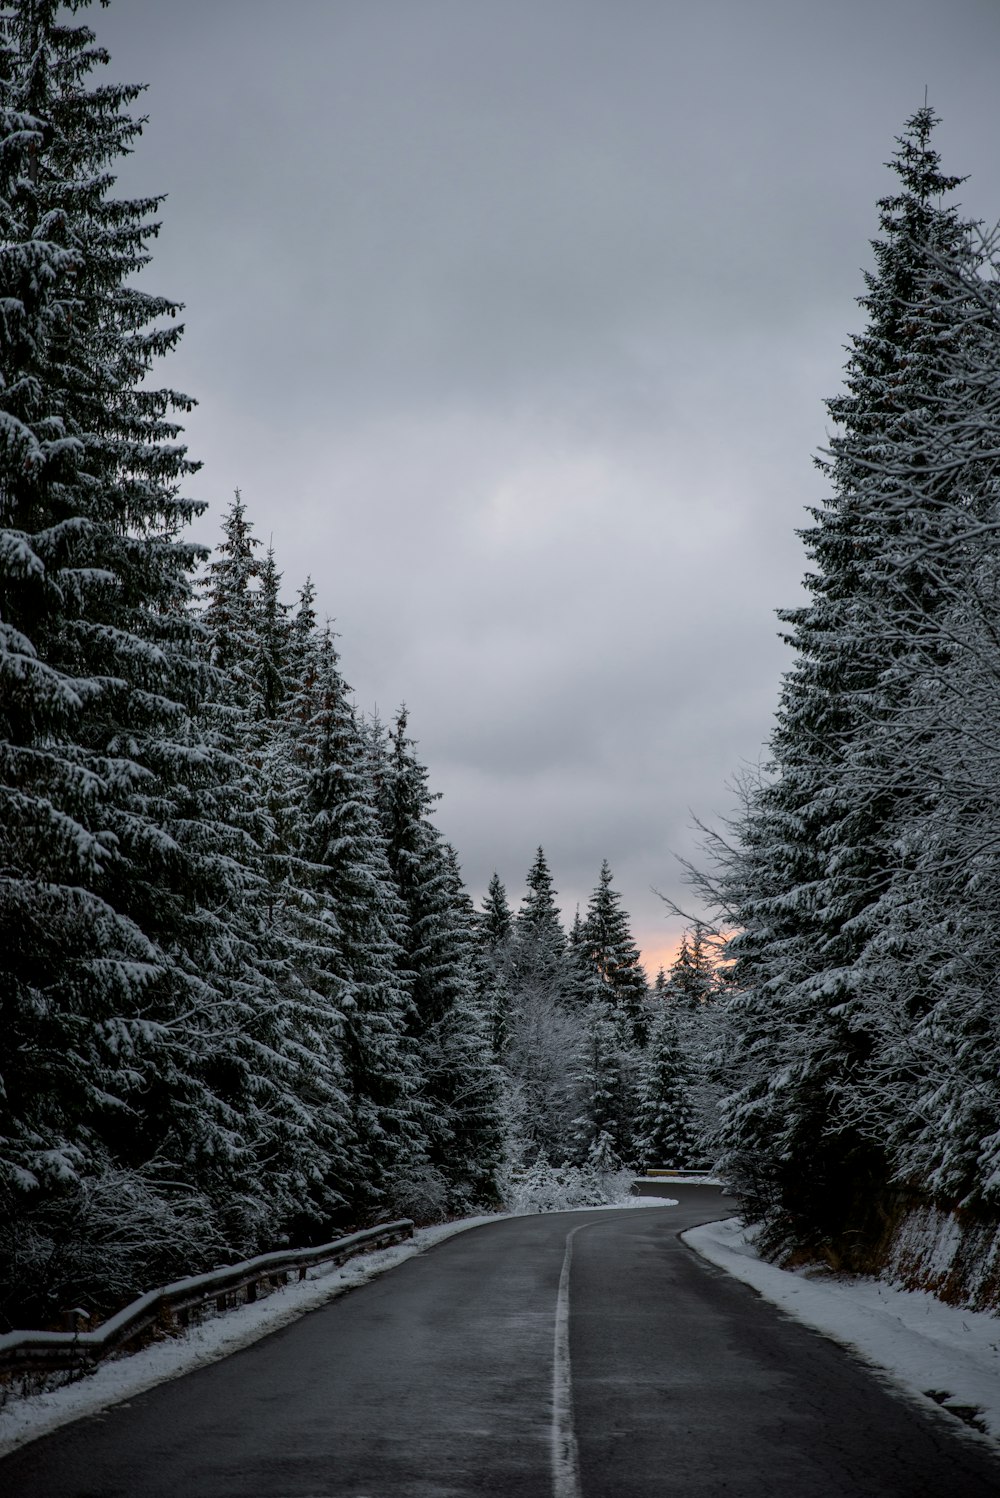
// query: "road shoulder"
[[922, 1344]]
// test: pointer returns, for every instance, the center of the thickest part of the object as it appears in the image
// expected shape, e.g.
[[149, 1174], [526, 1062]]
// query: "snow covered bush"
[[420, 1193], [560, 1188], [99, 1243]]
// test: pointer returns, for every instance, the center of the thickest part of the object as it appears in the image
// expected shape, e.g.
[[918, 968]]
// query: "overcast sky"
[[513, 322]]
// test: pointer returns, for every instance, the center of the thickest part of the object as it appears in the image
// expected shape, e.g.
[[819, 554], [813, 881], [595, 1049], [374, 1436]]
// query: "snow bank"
[[931, 1349], [681, 1178], [955, 1258]]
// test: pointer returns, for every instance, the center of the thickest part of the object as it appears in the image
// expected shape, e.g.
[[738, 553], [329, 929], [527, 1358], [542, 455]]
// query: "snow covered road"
[[572, 1355]]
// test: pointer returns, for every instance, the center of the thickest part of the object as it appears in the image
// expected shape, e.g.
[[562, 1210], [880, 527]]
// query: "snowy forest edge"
[[247, 999]]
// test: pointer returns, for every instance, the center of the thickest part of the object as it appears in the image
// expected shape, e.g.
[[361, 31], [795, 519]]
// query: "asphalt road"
[[577, 1355]]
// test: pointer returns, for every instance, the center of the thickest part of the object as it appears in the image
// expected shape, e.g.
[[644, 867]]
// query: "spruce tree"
[[119, 1070], [814, 859], [608, 944], [584, 982], [928, 961], [344, 862], [473, 1083], [459, 1086], [273, 641], [494, 931], [541, 941], [605, 1088], [692, 977], [495, 923], [228, 610], [263, 699], [664, 1119]]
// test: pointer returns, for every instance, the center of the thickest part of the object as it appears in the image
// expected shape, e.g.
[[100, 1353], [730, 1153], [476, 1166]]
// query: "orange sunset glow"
[[657, 951]]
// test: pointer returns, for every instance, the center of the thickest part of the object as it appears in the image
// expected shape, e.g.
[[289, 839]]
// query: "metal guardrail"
[[664, 1174], [32, 1351]]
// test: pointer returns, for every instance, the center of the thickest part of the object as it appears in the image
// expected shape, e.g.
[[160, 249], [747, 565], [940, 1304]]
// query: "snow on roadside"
[[629, 1201], [680, 1179], [118, 1379], [919, 1341]]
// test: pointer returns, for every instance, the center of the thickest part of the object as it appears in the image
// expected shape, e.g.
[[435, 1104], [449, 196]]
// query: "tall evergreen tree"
[[608, 943], [119, 1005], [459, 1089], [605, 1089], [814, 859], [465, 1069], [494, 932], [692, 977], [273, 639], [928, 964], [495, 922], [584, 982], [664, 1116], [228, 611], [541, 940], [345, 859]]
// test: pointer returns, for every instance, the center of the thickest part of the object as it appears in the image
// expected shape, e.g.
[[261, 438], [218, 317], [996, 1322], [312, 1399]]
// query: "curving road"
[[576, 1355]]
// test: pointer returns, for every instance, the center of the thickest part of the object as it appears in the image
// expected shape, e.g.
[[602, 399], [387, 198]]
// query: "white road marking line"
[[565, 1457]]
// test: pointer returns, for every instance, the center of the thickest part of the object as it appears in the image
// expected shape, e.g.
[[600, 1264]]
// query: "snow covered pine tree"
[[459, 1084], [817, 848], [160, 1104], [100, 671]]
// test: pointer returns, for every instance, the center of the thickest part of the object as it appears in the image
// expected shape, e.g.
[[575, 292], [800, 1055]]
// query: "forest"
[[246, 999]]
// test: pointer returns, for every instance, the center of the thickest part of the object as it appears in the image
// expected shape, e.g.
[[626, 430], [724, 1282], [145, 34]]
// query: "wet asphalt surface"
[[436, 1381]]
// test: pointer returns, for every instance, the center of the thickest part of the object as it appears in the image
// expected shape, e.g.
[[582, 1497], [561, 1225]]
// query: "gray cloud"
[[513, 322]]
